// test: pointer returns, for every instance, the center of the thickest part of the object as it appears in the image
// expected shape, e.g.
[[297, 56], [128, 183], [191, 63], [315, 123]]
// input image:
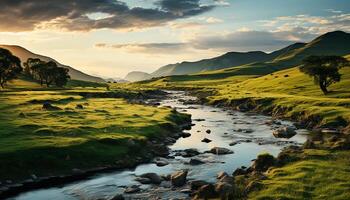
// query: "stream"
[[252, 132]]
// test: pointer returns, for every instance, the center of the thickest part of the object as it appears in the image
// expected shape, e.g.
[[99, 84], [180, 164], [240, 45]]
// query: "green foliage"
[[47, 72], [321, 174], [324, 69], [10, 66]]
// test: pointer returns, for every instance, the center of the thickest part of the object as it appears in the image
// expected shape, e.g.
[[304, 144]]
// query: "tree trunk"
[[323, 87]]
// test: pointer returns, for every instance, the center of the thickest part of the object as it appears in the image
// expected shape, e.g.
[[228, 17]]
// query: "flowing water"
[[250, 130]]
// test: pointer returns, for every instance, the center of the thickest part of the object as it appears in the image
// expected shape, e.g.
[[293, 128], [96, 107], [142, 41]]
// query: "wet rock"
[[118, 197], [79, 106], [239, 171], [284, 132], [143, 180], [160, 162], [179, 178], [233, 143], [154, 178], [221, 175], [132, 189], [195, 161], [206, 140], [190, 153], [253, 186], [195, 185], [186, 135], [224, 189], [220, 151], [208, 131], [49, 107], [263, 162], [206, 192], [160, 150], [165, 177]]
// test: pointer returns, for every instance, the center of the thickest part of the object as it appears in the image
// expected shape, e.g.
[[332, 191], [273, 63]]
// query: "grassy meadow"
[[53, 142], [321, 174]]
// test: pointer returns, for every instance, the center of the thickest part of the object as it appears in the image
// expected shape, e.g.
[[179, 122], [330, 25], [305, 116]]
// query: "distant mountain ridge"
[[137, 76], [331, 43], [24, 54]]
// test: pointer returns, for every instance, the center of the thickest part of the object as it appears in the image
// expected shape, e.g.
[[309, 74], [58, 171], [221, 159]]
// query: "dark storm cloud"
[[73, 15]]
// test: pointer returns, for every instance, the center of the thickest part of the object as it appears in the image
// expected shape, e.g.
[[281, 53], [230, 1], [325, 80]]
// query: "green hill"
[[332, 43], [24, 54], [227, 60]]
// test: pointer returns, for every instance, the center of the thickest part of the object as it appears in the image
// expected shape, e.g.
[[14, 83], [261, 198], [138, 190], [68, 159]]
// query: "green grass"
[[321, 174], [41, 142], [294, 93]]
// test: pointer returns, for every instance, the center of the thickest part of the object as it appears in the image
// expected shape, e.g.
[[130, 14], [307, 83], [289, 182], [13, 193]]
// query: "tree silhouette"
[[47, 72], [10, 66], [324, 69]]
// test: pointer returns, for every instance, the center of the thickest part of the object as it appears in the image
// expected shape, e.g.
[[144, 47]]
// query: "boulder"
[[206, 140], [160, 150], [195, 161], [233, 143], [49, 107], [160, 162], [284, 132], [153, 177], [239, 171], [263, 162], [208, 131], [179, 178], [206, 192], [143, 180], [186, 135], [224, 189], [190, 152], [253, 186], [195, 185], [79, 106], [118, 197], [221, 175], [132, 189], [220, 151]]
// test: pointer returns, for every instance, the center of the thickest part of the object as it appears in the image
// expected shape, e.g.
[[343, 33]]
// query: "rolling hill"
[[137, 76], [24, 54], [257, 62], [332, 43]]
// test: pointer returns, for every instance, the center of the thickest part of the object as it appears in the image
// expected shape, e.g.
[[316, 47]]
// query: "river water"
[[250, 130]]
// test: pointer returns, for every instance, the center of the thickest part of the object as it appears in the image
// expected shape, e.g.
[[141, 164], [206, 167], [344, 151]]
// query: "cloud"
[[310, 24], [245, 40], [242, 40], [147, 48], [86, 15]]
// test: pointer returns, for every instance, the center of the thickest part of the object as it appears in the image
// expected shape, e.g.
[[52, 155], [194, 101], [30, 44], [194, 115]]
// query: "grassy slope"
[[53, 142], [321, 174], [295, 92]]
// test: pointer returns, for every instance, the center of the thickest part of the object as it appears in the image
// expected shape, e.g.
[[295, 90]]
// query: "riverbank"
[[52, 137]]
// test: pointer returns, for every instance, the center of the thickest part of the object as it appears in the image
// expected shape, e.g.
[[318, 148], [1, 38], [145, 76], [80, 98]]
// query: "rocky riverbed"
[[202, 160]]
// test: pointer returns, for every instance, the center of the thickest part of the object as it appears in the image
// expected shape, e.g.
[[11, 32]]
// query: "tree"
[[324, 69], [62, 76], [10, 66], [47, 72]]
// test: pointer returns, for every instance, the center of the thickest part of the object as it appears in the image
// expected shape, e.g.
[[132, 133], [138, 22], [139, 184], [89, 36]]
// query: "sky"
[[110, 38]]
